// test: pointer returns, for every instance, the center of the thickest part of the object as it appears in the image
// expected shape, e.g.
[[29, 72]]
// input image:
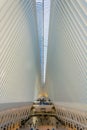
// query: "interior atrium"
[[43, 64]]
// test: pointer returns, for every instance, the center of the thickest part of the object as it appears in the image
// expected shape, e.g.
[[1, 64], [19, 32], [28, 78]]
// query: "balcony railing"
[[13, 118], [72, 118]]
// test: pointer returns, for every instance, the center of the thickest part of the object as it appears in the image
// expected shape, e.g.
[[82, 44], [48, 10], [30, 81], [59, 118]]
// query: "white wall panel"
[[66, 78], [19, 51]]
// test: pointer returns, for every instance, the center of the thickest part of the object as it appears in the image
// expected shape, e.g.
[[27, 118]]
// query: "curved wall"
[[19, 51], [66, 78]]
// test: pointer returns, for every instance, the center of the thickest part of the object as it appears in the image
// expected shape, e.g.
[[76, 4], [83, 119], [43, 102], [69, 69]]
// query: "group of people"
[[43, 119], [45, 123]]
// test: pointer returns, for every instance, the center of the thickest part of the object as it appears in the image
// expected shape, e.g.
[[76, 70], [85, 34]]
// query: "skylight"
[[43, 13]]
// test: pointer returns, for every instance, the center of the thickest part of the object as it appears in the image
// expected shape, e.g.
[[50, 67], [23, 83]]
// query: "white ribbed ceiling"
[[65, 35], [66, 78], [19, 51]]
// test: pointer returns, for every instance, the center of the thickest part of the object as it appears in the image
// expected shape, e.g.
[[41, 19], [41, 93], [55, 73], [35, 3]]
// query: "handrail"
[[72, 118], [10, 117]]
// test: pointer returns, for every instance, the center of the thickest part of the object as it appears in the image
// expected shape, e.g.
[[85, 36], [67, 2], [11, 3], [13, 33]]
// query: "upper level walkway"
[[15, 116]]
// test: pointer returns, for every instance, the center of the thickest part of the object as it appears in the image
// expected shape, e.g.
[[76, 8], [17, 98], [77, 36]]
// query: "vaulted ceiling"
[[28, 29]]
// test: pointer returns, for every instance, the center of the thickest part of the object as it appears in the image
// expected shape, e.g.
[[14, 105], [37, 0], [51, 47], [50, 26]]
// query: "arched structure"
[[19, 51], [22, 64], [66, 78]]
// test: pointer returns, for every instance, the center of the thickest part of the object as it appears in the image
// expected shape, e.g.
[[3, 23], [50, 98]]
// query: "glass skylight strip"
[[46, 31], [39, 8]]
